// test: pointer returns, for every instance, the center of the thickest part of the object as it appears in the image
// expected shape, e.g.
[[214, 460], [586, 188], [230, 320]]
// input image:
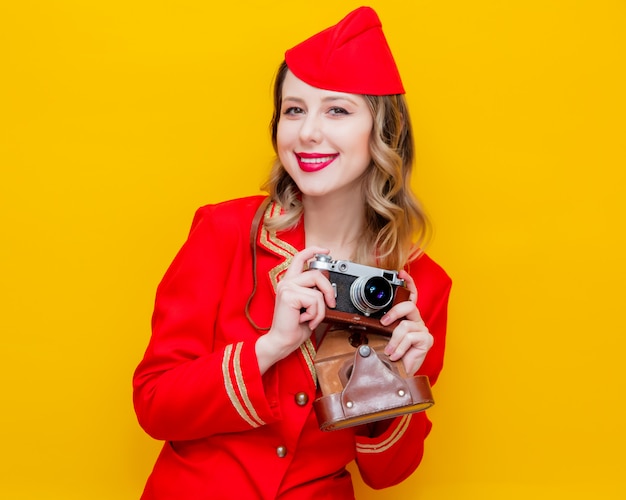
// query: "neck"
[[334, 224]]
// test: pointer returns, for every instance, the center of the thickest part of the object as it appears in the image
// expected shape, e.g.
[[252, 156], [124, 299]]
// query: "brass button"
[[281, 451], [302, 398]]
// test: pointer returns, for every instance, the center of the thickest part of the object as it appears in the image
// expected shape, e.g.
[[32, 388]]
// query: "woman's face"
[[322, 138]]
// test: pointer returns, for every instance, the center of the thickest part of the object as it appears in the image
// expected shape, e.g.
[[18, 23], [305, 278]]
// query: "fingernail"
[[385, 319]]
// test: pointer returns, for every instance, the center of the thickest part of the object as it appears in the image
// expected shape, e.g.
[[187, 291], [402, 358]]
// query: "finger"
[[315, 311], [317, 319], [309, 313], [299, 260], [405, 309], [401, 331], [315, 279], [418, 341], [296, 305], [409, 283], [413, 360]]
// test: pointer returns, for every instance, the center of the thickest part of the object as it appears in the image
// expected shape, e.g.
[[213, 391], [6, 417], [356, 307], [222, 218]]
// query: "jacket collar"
[[281, 246]]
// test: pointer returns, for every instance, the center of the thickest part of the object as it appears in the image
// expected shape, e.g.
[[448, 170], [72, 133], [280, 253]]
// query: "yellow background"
[[119, 118]]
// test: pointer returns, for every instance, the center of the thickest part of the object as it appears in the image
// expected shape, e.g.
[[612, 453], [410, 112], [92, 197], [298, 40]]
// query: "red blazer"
[[230, 432]]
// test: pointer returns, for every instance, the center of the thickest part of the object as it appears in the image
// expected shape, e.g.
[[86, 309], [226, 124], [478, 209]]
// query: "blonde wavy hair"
[[396, 227]]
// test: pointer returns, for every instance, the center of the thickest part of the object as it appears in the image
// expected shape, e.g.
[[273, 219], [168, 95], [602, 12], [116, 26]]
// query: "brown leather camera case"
[[359, 383]]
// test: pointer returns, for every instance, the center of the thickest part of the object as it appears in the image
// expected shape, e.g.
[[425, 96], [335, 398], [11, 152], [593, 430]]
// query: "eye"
[[336, 110], [293, 110]]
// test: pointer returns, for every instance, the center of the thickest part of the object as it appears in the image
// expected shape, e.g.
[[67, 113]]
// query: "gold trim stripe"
[[396, 435], [230, 389], [242, 385], [308, 353], [277, 271], [274, 244]]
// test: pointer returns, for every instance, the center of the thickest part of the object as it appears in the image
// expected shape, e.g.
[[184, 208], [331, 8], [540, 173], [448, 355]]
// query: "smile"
[[313, 162]]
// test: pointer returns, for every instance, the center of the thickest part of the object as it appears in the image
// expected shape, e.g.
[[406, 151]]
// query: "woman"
[[228, 378]]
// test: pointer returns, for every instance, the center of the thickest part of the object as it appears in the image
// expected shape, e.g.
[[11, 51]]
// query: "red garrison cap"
[[353, 56]]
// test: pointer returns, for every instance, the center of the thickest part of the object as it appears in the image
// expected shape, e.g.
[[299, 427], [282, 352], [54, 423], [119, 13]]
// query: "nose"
[[311, 129]]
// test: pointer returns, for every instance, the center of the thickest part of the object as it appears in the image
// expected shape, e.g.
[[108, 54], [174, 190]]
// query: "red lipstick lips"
[[314, 162]]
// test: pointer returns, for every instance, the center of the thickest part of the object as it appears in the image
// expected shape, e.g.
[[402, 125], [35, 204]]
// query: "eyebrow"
[[325, 99]]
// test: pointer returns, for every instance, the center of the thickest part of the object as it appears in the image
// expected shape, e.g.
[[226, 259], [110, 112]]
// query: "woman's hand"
[[301, 300], [410, 340]]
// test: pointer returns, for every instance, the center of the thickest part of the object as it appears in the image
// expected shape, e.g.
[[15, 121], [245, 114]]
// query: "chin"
[[308, 193]]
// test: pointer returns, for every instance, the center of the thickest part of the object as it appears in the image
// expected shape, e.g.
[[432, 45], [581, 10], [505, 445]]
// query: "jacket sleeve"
[[187, 387], [389, 451]]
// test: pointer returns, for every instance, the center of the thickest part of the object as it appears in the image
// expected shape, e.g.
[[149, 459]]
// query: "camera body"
[[363, 293]]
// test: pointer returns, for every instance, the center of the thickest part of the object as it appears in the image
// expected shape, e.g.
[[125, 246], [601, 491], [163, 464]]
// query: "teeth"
[[316, 160]]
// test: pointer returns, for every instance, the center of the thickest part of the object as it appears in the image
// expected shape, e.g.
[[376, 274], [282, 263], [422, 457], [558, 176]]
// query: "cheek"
[[283, 144], [284, 134], [358, 136], [361, 143]]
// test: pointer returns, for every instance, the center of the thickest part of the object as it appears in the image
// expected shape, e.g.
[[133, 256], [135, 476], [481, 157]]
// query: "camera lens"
[[371, 294], [377, 291]]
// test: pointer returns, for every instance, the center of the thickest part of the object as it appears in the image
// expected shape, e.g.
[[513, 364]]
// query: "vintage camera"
[[364, 293], [357, 380]]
